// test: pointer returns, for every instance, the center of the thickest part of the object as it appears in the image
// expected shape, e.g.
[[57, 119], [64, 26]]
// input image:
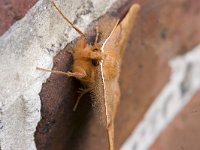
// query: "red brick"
[[183, 132], [13, 10]]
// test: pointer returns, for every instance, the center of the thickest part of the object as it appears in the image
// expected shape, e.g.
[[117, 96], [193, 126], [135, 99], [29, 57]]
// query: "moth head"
[[87, 58]]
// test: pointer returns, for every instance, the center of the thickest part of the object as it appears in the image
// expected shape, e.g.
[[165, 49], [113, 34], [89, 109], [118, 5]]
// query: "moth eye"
[[95, 49], [95, 62]]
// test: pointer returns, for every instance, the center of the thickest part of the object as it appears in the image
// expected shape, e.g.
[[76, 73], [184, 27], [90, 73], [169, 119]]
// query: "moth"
[[97, 65]]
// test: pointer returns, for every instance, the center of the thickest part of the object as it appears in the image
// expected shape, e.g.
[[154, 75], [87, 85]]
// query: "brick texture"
[[13, 10], [164, 29], [183, 132]]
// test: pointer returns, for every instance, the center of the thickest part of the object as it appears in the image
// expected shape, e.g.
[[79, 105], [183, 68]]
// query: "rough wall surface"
[[13, 10], [158, 37], [183, 85], [42, 33], [29, 43], [183, 132]]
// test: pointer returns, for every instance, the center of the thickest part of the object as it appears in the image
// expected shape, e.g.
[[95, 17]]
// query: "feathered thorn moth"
[[97, 65]]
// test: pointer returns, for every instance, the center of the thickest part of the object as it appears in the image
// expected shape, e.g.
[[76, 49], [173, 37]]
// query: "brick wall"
[[12, 11], [161, 57]]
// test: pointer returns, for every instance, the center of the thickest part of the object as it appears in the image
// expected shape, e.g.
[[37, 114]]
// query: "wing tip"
[[135, 7]]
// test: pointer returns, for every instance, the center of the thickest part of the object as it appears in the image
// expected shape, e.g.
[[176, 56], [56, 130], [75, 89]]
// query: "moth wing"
[[105, 26], [120, 36], [115, 46], [106, 92]]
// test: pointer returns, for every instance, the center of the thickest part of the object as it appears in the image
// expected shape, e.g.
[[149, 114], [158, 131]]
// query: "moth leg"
[[82, 92], [97, 35], [96, 44], [78, 75], [78, 72], [70, 74]]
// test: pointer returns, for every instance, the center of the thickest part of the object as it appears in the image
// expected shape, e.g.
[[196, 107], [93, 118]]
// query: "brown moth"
[[97, 65]]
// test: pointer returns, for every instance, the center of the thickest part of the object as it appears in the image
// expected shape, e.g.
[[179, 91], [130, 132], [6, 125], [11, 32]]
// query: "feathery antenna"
[[58, 9]]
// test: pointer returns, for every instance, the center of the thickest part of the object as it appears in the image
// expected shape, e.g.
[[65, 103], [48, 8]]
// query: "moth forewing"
[[121, 34], [113, 48]]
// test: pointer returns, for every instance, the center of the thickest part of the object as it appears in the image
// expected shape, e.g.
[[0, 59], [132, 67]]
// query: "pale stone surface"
[[184, 83], [31, 42]]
